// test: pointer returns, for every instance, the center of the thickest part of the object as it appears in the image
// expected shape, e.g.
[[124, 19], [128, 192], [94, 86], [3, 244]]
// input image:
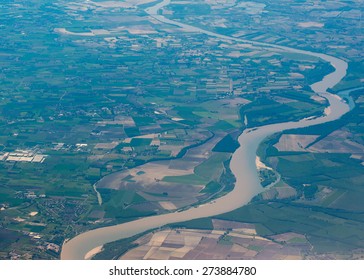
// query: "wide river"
[[242, 162]]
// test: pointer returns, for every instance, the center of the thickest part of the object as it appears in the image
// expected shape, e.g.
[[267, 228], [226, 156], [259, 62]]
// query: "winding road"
[[242, 162]]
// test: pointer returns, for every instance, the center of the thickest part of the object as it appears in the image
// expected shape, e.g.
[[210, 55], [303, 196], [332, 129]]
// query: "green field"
[[65, 95], [191, 179], [212, 187], [137, 142], [212, 168], [227, 145]]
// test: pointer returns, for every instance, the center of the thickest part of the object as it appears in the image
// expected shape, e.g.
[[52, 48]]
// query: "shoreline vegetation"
[[247, 185]]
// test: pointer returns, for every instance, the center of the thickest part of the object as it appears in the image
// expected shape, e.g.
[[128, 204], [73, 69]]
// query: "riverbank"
[[242, 162]]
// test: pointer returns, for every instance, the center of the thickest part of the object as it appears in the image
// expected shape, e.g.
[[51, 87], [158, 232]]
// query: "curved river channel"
[[242, 162]]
